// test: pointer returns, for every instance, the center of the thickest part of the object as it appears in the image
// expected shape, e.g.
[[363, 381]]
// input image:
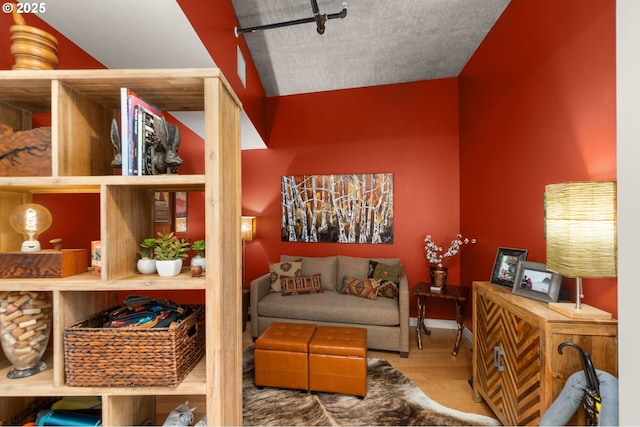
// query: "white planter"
[[198, 260], [146, 266], [169, 268]]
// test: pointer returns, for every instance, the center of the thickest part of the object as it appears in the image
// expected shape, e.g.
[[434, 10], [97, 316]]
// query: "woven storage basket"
[[106, 357]]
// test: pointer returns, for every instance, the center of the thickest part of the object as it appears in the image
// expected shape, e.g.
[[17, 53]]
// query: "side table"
[[458, 293]]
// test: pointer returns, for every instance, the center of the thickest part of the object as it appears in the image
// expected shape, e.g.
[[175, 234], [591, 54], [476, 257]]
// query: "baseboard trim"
[[442, 324]]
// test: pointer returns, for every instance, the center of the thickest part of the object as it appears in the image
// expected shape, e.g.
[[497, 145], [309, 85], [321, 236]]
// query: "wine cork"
[[24, 298], [36, 325], [26, 335], [12, 314]]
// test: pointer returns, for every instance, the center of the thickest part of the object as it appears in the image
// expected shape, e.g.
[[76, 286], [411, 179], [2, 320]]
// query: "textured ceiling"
[[379, 41]]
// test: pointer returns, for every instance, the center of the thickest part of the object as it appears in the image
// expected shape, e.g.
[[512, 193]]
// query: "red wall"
[[410, 130], [537, 106], [215, 21]]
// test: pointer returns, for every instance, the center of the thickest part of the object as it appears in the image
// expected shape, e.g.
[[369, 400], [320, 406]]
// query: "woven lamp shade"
[[581, 229], [248, 228]]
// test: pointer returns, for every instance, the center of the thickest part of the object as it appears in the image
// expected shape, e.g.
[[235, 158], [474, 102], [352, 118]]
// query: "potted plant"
[[147, 264], [170, 252], [199, 259]]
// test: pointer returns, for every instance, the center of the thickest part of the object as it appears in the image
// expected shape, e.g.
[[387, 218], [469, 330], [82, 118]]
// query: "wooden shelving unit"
[[82, 105]]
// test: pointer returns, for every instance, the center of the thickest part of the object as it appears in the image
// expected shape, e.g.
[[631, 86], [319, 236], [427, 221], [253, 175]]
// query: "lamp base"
[[585, 312]]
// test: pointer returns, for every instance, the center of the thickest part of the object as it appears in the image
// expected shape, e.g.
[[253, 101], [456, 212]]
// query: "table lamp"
[[581, 238], [30, 219]]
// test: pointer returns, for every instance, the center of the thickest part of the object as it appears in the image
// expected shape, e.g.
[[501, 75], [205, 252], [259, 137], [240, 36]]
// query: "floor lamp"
[[581, 238], [248, 232]]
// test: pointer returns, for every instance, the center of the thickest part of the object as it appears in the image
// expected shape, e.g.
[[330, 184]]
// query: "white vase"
[[169, 268], [146, 265], [198, 260]]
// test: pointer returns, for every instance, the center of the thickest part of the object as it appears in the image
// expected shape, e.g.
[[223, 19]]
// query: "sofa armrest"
[[403, 303], [259, 288]]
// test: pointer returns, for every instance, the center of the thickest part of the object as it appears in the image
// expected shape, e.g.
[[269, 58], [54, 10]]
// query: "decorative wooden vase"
[[438, 276], [32, 48]]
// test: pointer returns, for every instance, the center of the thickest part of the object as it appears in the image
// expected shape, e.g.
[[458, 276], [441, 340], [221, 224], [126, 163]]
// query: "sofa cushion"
[[364, 288], [389, 276], [331, 307], [349, 266], [325, 266], [299, 285], [279, 269]]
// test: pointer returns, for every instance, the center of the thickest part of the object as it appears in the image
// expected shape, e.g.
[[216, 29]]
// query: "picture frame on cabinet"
[[506, 265], [534, 281]]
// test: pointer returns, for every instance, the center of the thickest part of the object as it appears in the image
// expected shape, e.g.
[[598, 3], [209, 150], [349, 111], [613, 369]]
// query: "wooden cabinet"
[[517, 369], [82, 105]]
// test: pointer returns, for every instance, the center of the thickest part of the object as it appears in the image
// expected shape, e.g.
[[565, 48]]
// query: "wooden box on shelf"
[[46, 263]]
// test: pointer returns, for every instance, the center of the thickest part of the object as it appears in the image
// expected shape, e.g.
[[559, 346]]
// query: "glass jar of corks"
[[25, 325]]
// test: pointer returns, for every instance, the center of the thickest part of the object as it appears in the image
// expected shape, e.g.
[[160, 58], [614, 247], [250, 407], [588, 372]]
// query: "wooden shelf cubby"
[[82, 105]]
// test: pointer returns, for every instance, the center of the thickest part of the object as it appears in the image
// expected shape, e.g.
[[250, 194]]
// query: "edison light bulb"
[[30, 220]]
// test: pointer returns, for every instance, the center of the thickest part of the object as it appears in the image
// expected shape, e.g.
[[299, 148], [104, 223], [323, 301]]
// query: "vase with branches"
[[436, 257]]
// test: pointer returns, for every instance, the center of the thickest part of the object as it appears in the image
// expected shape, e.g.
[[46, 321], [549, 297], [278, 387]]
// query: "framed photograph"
[[506, 265], [162, 207], [534, 281], [181, 211]]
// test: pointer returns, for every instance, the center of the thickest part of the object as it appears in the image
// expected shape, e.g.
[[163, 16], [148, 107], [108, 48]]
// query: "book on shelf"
[[139, 121], [148, 137], [96, 257]]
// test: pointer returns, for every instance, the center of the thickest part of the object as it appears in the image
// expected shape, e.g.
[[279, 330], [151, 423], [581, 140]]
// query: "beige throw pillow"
[[279, 269]]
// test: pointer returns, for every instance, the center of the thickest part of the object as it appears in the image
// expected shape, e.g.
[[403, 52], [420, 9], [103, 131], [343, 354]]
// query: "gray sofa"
[[386, 319]]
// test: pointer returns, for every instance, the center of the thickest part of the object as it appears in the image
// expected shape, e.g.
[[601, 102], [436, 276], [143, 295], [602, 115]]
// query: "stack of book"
[[139, 135]]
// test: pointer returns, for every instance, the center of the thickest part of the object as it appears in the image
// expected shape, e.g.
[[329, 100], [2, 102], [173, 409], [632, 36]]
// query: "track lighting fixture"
[[317, 18]]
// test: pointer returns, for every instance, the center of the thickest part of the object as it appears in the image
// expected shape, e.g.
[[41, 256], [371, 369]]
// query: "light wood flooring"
[[441, 376]]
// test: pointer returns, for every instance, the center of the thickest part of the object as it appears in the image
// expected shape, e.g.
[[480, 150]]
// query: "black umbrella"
[[592, 399]]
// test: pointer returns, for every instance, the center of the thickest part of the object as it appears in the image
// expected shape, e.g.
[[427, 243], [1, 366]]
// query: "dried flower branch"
[[435, 254]]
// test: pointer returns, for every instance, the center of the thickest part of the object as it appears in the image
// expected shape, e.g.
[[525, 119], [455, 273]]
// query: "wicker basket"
[[105, 357]]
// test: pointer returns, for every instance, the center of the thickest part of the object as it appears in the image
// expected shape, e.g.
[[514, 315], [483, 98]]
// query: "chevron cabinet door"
[[508, 363], [517, 369]]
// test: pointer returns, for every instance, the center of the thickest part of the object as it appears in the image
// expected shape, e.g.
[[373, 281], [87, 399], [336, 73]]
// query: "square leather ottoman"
[[281, 356], [338, 360]]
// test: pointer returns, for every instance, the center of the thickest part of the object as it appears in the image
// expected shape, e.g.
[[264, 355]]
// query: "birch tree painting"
[[353, 208]]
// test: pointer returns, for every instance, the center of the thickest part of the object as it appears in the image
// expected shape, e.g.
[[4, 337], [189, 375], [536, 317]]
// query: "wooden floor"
[[441, 376]]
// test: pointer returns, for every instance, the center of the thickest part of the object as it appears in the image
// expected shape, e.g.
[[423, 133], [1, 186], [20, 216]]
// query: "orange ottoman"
[[281, 356], [338, 360]]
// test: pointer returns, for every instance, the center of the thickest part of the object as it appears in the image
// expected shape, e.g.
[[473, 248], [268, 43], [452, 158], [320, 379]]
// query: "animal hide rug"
[[392, 399]]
